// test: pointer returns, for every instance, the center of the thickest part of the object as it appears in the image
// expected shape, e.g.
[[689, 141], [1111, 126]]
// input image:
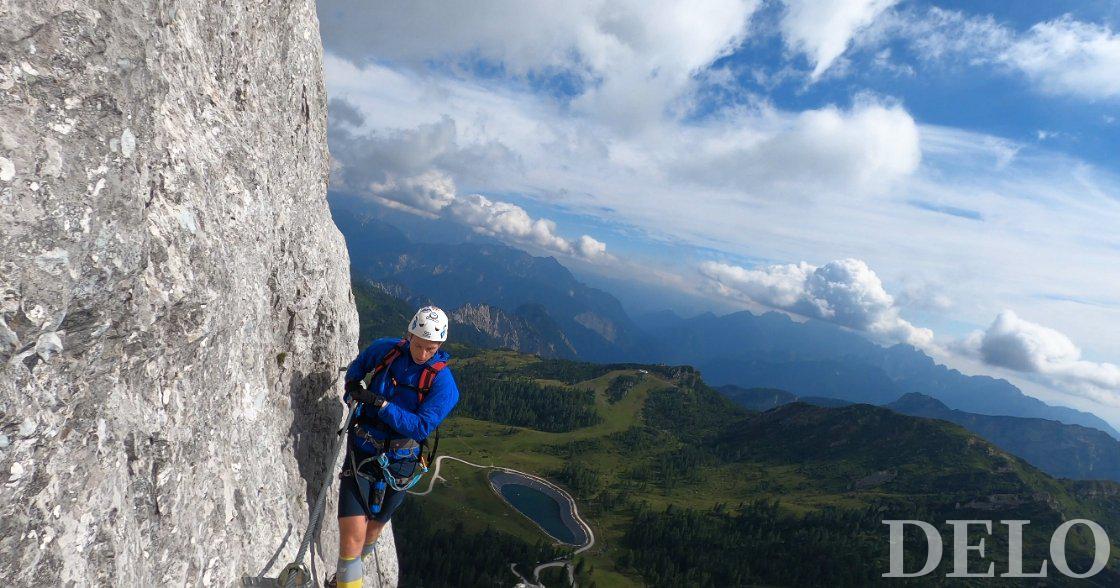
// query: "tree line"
[[519, 401], [431, 554]]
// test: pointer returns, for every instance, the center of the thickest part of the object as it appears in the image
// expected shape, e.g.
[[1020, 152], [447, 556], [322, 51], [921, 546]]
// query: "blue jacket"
[[403, 413]]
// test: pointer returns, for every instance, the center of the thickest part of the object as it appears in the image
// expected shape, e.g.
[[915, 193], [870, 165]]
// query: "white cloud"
[[779, 286], [846, 292], [942, 34], [502, 219], [428, 192], [823, 30], [397, 159], [1061, 56], [1018, 344], [631, 59], [1066, 56], [411, 170], [825, 151], [923, 295], [589, 248]]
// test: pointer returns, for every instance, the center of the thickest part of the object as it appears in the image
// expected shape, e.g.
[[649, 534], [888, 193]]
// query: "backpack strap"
[[425, 383], [426, 378], [389, 357]]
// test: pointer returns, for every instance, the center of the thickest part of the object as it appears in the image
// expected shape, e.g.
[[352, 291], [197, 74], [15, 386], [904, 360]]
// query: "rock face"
[[530, 330], [174, 298]]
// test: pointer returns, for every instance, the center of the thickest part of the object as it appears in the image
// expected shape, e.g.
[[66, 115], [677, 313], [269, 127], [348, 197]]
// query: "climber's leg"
[[353, 526], [351, 515], [373, 531], [351, 535], [392, 502], [371, 544], [348, 573]]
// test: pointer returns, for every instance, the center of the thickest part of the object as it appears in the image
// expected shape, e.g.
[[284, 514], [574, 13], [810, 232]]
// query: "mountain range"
[[499, 290], [505, 297], [1061, 450], [815, 358], [682, 488]]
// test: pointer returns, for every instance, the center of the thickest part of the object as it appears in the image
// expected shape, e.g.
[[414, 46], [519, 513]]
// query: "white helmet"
[[429, 323]]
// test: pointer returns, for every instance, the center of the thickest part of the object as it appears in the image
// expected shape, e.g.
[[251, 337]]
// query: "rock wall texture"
[[502, 329], [174, 298]]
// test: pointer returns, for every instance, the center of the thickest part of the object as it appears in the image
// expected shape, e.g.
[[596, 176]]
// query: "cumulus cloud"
[[1015, 343], [399, 168], [426, 193], [1021, 345], [382, 156], [923, 295], [589, 248], [627, 61], [503, 219], [846, 292], [409, 170], [1066, 56], [859, 151], [823, 30]]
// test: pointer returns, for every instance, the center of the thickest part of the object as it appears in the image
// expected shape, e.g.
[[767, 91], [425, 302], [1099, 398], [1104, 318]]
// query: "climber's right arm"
[[366, 361], [357, 392]]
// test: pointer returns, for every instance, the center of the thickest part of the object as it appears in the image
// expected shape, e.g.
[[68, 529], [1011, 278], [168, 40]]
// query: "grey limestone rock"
[[503, 329], [174, 298]]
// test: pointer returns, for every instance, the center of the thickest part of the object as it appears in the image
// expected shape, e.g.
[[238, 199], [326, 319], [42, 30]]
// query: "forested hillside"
[[684, 488]]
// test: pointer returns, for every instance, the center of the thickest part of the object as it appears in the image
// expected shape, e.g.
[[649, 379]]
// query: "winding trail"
[[571, 502]]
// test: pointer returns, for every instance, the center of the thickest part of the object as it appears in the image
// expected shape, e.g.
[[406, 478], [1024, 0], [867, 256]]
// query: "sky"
[[939, 174]]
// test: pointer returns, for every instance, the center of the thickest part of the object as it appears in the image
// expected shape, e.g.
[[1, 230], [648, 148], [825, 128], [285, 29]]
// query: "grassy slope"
[[532, 451], [807, 456]]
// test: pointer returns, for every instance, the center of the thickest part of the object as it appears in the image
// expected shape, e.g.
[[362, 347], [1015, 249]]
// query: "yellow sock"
[[348, 574]]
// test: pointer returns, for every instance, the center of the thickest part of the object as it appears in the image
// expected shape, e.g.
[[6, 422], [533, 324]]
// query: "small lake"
[[543, 505]]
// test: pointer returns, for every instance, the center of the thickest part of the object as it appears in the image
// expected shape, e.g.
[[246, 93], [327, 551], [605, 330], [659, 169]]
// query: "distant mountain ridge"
[[508, 298], [815, 358], [763, 399], [529, 329], [386, 310], [564, 317], [1061, 450]]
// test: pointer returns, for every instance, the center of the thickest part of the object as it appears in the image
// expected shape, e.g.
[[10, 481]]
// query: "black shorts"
[[352, 489]]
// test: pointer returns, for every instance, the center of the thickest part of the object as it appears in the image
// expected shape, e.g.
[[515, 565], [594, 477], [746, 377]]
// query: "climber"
[[410, 392]]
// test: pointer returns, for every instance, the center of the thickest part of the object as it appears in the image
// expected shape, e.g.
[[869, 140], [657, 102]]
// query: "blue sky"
[[940, 174], [948, 91]]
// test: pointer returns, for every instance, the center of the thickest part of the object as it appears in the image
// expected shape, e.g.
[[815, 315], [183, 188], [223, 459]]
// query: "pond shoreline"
[[499, 478], [563, 562]]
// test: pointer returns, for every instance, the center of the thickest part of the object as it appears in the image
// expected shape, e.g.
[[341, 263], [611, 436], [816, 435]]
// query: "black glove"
[[359, 393]]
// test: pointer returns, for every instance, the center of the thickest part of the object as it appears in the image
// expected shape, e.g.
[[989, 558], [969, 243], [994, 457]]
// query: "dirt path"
[[571, 501]]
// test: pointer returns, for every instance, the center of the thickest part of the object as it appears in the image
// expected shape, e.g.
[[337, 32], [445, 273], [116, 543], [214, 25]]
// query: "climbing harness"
[[392, 456]]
